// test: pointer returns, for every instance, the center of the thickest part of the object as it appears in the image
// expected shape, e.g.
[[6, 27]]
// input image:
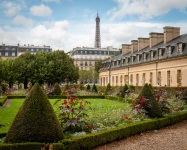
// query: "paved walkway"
[[7, 103], [173, 137]]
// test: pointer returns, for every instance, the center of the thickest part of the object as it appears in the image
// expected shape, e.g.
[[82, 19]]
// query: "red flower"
[[143, 101], [138, 106], [125, 117], [71, 100], [67, 107], [142, 97], [90, 127], [65, 101]]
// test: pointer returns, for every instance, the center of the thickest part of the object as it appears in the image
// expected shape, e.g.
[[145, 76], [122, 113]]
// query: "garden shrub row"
[[92, 140], [3, 100], [120, 99]]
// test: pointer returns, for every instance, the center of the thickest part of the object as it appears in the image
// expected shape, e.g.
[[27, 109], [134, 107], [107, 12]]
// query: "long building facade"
[[160, 60], [12, 51]]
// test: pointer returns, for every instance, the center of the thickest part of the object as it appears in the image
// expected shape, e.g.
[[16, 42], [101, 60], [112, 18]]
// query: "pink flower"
[[143, 101], [65, 101]]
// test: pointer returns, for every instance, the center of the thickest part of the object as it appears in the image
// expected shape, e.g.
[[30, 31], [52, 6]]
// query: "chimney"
[[126, 48], [142, 43], [170, 33], [155, 38], [134, 46]]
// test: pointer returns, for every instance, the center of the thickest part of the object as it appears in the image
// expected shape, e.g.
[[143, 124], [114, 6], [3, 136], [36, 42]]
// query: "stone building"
[[12, 51], [160, 60]]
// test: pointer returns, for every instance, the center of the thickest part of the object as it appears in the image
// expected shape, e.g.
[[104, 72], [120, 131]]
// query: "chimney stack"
[[142, 43], [155, 38], [170, 33], [126, 48], [134, 46]]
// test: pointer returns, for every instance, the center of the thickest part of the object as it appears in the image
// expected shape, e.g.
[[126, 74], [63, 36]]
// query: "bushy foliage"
[[124, 90], [94, 88], [57, 89], [73, 114], [108, 88], [88, 87], [150, 86], [66, 87], [147, 101], [185, 96], [35, 121]]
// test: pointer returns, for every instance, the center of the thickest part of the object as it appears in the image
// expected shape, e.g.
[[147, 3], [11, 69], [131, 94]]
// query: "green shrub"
[[57, 89], [150, 86], [3, 100], [35, 121], [88, 87], [185, 96], [94, 88], [148, 102], [124, 91], [108, 88], [66, 87]]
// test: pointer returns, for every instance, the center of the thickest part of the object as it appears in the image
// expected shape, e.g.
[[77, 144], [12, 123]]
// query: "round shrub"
[[94, 88], [57, 89], [35, 121]]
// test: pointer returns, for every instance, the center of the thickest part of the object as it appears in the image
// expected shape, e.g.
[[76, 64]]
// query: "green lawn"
[[103, 113]]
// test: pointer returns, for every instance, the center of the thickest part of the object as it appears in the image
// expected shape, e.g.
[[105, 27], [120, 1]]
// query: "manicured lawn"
[[104, 112]]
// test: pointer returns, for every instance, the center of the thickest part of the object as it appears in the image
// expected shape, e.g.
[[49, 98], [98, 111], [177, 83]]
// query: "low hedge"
[[92, 140], [120, 99], [3, 100]]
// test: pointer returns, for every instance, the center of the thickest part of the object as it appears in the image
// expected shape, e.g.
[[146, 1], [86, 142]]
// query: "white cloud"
[[40, 10], [21, 20], [65, 35], [11, 8], [145, 9]]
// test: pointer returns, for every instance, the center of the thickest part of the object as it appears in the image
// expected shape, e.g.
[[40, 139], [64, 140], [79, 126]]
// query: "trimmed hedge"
[[3, 100], [120, 99], [92, 140]]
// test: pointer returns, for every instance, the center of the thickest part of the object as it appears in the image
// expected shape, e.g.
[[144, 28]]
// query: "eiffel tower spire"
[[97, 32]]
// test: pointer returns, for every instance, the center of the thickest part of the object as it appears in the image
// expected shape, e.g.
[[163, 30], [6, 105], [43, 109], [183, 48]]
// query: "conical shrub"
[[57, 89], [88, 88], [108, 88], [35, 121], [151, 105], [94, 88], [125, 88]]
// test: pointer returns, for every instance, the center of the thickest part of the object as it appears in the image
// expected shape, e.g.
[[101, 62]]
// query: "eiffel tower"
[[97, 33]]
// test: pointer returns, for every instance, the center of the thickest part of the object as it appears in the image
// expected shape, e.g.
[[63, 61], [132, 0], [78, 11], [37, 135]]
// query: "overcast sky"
[[66, 24]]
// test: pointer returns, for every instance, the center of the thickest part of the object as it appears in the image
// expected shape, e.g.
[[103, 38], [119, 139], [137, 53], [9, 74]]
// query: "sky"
[[66, 24]]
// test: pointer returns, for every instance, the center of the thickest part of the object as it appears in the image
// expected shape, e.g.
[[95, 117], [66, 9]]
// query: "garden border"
[[3, 100], [92, 140]]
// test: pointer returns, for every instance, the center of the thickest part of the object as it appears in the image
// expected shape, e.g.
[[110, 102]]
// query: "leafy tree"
[[88, 88], [98, 65], [94, 88], [57, 89], [35, 121], [124, 90], [150, 103], [108, 88]]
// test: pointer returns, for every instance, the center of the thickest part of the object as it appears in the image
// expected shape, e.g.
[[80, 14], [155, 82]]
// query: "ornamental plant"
[[57, 89], [147, 101], [124, 91], [88, 87], [94, 88], [73, 114], [107, 90]]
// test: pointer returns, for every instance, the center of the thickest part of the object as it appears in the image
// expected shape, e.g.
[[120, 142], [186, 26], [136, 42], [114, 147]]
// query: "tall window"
[[137, 79], [121, 79], [159, 78], [13, 54], [143, 79], [131, 78], [112, 80], [159, 53], [116, 80], [0, 54], [179, 78], [168, 78], [6, 53], [151, 78], [86, 64]]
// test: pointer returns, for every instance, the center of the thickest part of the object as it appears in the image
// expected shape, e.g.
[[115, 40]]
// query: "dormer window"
[[144, 56], [126, 60], [152, 55], [170, 50], [160, 53], [181, 47], [137, 58]]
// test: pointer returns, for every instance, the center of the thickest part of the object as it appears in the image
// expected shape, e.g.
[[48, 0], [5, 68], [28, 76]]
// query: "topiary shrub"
[[150, 86], [124, 90], [148, 102], [57, 89], [94, 88], [66, 87], [88, 88], [35, 121], [108, 88]]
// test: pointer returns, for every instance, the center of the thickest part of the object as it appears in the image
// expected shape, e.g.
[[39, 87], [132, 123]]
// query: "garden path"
[[169, 138], [7, 103]]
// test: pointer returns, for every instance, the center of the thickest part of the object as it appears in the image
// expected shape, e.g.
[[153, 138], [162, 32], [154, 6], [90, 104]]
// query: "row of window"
[[96, 52], [7, 54], [116, 80]]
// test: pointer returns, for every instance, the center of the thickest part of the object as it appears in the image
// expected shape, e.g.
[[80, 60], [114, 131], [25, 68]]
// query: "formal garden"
[[79, 117]]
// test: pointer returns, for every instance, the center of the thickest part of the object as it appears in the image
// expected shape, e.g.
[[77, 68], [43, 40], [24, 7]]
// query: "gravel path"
[[7, 103], [173, 137]]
